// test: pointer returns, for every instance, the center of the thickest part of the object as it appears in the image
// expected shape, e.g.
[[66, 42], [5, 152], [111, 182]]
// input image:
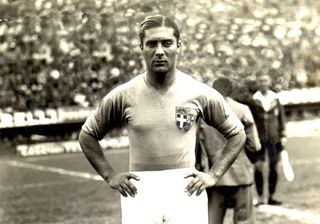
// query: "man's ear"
[[179, 46]]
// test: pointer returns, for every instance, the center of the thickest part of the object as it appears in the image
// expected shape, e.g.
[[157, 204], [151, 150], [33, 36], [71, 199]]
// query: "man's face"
[[160, 49], [264, 83]]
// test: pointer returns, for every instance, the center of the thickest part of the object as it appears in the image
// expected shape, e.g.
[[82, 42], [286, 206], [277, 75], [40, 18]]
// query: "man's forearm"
[[228, 154], [92, 150]]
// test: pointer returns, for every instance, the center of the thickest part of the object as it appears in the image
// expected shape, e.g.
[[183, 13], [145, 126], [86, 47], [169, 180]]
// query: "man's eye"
[[167, 43], [151, 44]]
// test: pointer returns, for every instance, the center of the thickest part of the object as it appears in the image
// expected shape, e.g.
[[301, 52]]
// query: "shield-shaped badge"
[[184, 117]]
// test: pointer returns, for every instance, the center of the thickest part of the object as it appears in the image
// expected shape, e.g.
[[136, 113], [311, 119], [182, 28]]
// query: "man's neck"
[[264, 92], [161, 82]]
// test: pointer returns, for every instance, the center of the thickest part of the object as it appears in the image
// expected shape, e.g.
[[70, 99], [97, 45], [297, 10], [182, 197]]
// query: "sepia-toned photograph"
[[159, 111]]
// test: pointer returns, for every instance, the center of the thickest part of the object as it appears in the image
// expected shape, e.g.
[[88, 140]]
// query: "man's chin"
[[160, 70]]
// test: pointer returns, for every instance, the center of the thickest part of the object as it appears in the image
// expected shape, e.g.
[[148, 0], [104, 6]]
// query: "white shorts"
[[161, 199]]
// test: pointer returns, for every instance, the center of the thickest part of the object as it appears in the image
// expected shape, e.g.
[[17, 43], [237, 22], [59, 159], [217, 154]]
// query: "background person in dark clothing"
[[233, 190], [270, 120]]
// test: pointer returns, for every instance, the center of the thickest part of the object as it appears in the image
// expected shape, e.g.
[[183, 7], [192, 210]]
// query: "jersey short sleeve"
[[218, 114], [108, 114]]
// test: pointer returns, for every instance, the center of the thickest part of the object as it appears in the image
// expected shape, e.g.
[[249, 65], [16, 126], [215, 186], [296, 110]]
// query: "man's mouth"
[[159, 62]]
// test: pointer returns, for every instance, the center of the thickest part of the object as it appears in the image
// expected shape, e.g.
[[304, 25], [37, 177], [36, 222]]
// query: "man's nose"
[[159, 50]]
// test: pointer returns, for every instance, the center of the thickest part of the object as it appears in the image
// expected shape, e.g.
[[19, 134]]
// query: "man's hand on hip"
[[199, 182], [121, 182]]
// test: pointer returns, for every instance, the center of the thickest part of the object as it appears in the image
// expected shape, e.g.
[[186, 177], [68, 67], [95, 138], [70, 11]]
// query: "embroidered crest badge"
[[185, 117]]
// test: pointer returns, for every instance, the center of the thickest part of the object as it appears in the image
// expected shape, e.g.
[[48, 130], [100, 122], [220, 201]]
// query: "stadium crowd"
[[63, 52]]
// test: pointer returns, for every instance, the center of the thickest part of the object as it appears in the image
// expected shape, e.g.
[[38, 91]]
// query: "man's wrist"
[[213, 174], [284, 139], [108, 176]]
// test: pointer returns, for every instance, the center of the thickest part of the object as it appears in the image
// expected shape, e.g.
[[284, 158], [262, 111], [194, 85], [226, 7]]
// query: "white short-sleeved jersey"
[[162, 127]]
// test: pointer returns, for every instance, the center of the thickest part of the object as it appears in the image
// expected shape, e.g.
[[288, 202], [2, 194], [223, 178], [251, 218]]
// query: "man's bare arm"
[[227, 157], [228, 154], [93, 151]]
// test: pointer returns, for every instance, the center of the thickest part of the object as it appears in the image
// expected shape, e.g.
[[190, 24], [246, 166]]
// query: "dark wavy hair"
[[158, 21], [223, 86]]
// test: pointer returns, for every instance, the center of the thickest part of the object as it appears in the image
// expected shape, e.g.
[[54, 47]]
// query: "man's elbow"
[[242, 136], [239, 138], [82, 137], [85, 139]]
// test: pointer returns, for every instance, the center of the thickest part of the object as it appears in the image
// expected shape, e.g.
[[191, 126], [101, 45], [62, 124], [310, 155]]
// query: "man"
[[161, 109], [270, 119], [233, 190]]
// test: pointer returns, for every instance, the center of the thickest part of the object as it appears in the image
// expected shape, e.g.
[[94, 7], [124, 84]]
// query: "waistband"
[[160, 167], [177, 171]]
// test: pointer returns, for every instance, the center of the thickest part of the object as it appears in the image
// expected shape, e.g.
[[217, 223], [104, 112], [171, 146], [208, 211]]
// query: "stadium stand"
[[69, 53]]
